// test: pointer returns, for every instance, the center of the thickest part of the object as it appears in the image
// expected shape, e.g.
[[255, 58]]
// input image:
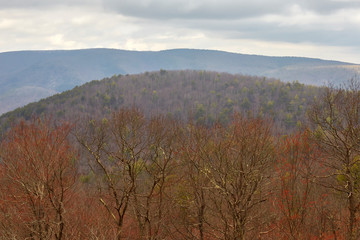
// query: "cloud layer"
[[222, 9], [322, 28]]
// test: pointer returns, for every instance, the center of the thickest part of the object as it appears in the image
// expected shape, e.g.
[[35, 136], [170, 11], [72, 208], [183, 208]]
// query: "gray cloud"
[[208, 9], [221, 9], [23, 4], [192, 8], [248, 26], [328, 6], [343, 34]]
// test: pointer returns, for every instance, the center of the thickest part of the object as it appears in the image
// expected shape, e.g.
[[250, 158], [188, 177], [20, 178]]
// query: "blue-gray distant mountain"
[[27, 76]]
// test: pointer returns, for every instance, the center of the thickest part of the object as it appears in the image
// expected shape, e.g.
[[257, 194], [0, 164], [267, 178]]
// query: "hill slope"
[[48, 72], [206, 96]]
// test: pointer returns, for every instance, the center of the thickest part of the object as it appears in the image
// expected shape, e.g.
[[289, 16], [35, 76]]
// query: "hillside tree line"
[[131, 176]]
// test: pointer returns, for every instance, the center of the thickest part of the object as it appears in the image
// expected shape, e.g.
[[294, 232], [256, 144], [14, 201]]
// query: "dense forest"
[[206, 97], [124, 173]]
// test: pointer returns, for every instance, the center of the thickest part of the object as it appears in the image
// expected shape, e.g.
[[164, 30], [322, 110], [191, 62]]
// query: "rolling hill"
[[204, 96], [27, 76]]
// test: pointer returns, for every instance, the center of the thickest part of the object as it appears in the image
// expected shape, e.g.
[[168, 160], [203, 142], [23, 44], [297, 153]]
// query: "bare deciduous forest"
[[125, 173], [206, 97]]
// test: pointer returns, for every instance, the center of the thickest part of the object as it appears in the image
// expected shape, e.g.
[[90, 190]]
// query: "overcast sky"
[[328, 29]]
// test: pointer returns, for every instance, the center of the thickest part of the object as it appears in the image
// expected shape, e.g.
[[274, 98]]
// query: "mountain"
[[27, 76], [204, 96]]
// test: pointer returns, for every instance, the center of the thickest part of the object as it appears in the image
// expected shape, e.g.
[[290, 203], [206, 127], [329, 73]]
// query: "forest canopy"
[[206, 97], [89, 164], [133, 176]]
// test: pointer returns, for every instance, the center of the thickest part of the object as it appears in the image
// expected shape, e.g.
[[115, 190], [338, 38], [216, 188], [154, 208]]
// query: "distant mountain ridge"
[[27, 76]]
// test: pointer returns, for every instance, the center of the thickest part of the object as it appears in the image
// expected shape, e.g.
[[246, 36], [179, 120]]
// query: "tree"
[[132, 159], [37, 179], [115, 148], [336, 117], [298, 203], [230, 166], [193, 193], [151, 195]]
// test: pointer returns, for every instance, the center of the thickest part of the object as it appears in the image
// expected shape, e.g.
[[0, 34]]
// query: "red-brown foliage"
[[38, 173]]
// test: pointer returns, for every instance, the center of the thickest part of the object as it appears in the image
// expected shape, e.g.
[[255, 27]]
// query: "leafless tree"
[[37, 180], [336, 119]]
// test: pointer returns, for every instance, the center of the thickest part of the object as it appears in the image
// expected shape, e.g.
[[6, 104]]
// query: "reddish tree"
[[298, 202], [38, 174]]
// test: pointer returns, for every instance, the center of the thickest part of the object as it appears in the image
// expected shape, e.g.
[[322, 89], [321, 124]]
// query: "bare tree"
[[37, 179], [115, 150], [132, 158], [336, 118], [230, 165], [192, 201], [151, 196]]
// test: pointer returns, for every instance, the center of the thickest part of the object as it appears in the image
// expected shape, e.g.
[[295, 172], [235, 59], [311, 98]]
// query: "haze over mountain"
[[27, 76]]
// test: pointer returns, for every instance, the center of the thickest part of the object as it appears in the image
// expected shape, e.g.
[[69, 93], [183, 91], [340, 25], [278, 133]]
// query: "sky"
[[327, 29]]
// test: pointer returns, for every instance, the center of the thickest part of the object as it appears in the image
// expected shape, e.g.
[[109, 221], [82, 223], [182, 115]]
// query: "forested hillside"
[[176, 155], [206, 97], [129, 176], [28, 76]]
